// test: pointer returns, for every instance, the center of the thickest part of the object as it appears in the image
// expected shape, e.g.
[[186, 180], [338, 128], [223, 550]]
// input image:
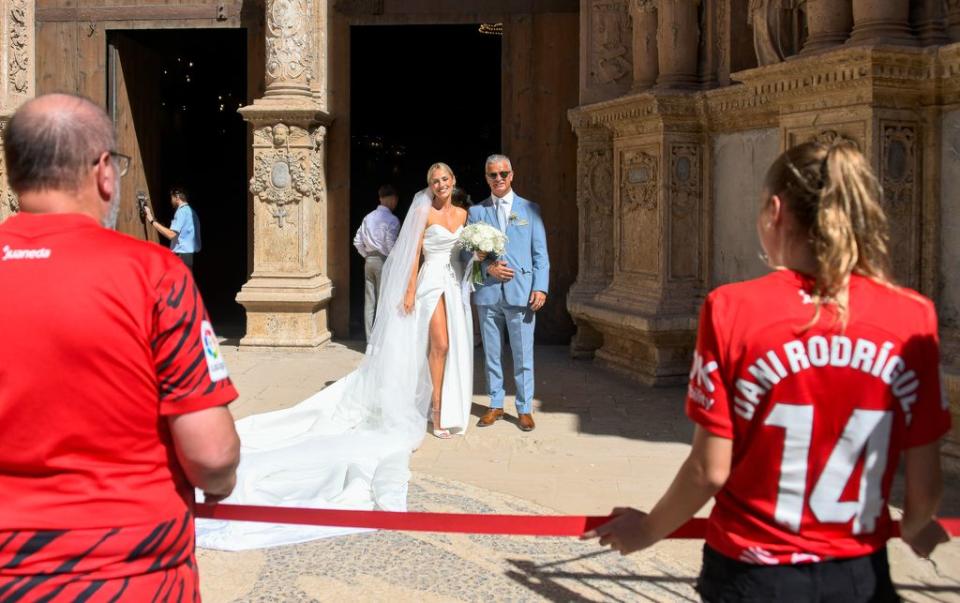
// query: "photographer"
[[184, 231]]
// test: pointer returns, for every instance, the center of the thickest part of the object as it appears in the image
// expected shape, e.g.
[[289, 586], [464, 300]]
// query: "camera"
[[142, 205]]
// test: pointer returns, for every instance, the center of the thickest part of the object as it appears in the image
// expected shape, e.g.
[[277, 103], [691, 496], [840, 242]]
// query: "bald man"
[[113, 397]]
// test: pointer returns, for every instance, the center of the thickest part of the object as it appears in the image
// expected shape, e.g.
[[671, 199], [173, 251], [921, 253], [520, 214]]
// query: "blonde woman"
[[349, 445], [434, 292], [807, 385]]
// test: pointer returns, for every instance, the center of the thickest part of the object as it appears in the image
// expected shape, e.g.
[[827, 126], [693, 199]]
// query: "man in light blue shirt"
[[184, 231]]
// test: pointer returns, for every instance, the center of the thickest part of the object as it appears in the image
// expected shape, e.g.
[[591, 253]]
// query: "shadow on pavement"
[[604, 402], [545, 582]]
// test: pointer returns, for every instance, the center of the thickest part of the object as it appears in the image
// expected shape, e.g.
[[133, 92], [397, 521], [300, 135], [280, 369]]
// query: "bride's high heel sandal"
[[438, 432]]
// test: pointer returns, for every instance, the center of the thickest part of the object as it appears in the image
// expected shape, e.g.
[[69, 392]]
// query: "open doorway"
[[419, 94], [173, 95]]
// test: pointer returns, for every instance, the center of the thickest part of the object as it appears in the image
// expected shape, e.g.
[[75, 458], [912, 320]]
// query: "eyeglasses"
[[123, 161], [493, 175]]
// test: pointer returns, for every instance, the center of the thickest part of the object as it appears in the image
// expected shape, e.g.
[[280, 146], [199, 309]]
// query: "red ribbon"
[[464, 523]]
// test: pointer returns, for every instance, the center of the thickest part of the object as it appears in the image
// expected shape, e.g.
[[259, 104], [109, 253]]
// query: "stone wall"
[[733, 83], [949, 299], [739, 166]]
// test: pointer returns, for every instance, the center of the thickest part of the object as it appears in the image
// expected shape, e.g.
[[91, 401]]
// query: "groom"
[[514, 288]]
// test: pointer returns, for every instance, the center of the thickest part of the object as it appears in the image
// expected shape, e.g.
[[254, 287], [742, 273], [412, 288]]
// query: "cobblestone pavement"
[[601, 440]]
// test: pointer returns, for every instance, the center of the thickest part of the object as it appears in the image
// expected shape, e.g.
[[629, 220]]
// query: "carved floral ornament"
[[638, 181], [289, 45], [596, 177], [18, 47], [283, 175], [611, 57]]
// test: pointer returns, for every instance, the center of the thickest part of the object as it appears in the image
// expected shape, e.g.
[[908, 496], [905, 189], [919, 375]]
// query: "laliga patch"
[[211, 351]]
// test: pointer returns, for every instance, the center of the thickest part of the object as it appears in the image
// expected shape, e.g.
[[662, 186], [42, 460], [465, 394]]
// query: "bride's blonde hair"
[[440, 166]]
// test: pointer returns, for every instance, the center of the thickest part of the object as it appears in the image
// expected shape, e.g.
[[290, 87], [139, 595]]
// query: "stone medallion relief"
[[639, 250]]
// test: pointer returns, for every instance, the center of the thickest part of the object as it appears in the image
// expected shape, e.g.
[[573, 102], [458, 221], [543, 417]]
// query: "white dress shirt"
[[377, 233], [503, 208]]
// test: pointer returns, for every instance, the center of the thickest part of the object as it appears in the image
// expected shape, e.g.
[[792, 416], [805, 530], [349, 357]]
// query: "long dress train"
[[348, 446]]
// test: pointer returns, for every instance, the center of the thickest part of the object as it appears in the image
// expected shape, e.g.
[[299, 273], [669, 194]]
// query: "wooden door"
[[132, 91]]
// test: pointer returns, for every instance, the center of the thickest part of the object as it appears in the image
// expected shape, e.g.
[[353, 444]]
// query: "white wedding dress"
[[349, 445]]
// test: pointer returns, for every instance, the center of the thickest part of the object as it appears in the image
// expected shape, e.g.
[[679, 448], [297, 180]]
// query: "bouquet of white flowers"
[[484, 238]]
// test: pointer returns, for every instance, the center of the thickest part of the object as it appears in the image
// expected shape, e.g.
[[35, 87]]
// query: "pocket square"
[[517, 220]]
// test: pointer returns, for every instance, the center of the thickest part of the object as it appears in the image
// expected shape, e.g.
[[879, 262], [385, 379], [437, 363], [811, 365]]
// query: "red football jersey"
[[103, 336], [818, 416]]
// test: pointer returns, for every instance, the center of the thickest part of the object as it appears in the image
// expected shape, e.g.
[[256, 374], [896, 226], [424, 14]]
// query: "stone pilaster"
[[881, 22], [678, 37], [647, 314], [643, 14], [17, 76], [595, 213], [288, 293], [828, 25]]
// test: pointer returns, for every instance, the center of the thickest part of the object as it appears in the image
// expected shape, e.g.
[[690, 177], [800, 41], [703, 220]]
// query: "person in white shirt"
[[374, 240]]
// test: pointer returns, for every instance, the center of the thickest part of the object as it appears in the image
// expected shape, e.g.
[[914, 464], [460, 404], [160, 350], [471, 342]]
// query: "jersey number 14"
[[866, 431]]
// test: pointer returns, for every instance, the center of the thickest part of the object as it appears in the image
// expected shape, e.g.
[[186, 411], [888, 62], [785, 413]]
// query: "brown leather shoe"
[[492, 416], [526, 422]]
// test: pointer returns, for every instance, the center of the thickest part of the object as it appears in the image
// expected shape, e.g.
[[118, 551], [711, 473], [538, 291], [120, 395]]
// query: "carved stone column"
[[17, 76], [595, 212], [645, 67], [288, 293], [882, 22], [928, 20], [678, 36], [828, 24], [953, 20]]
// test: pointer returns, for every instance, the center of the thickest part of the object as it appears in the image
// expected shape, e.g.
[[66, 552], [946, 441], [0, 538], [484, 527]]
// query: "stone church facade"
[[656, 152], [683, 106]]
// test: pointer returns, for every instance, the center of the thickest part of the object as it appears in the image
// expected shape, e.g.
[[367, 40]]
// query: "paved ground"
[[601, 441]]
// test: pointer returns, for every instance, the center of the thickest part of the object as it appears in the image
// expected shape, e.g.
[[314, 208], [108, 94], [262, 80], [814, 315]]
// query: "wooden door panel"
[[133, 90]]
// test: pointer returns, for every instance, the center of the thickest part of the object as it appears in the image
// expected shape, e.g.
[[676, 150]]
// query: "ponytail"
[[835, 196]]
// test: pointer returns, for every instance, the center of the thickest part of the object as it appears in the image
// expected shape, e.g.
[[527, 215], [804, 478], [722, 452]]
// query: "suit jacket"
[[526, 253]]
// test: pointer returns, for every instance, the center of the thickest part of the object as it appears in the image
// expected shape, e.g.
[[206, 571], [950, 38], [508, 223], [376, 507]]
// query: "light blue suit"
[[505, 306]]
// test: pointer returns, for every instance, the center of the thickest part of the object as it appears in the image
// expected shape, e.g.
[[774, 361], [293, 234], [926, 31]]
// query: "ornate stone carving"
[[283, 175], [686, 185], [19, 47], [610, 52], [289, 47], [638, 182], [766, 18], [596, 200], [898, 176], [596, 180], [638, 216]]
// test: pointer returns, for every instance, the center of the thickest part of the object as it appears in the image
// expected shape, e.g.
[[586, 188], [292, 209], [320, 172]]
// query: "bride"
[[349, 445]]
